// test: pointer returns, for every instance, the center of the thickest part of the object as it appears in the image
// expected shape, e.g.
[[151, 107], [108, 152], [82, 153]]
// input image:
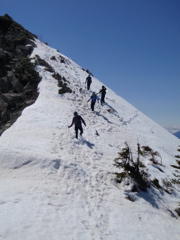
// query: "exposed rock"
[[18, 78], [62, 83], [4, 85], [57, 76], [65, 90], [12, 99], [18, 87], [177, 210], [42, 62], [53, 58], [5, 116]]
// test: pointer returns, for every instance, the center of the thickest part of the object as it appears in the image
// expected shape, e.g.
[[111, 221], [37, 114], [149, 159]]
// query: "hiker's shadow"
[[105, 118], [89, 144]]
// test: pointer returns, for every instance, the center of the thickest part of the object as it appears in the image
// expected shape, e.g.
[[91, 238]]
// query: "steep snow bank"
[[56, 187]]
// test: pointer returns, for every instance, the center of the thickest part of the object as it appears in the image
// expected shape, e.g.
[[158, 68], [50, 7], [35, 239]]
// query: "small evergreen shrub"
[[156, 184], [132, 169], [167, 186], [154, 155], [177, 169]]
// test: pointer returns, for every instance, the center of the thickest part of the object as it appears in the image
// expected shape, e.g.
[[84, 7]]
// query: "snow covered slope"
[[53, 186]]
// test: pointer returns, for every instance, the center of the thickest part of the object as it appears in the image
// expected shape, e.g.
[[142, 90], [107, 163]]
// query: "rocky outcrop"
[[62, 82], [18, 78]]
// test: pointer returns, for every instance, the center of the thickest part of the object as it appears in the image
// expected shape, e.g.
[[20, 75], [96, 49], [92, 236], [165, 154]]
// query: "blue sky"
[[132, 46]]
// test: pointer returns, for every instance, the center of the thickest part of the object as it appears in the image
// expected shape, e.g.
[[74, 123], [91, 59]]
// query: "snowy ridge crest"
[[66, 187]]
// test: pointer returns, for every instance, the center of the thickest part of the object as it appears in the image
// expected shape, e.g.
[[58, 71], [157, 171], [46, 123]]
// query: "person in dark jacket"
[[103, 93], [93, 99], [88, 81], [77, 121]]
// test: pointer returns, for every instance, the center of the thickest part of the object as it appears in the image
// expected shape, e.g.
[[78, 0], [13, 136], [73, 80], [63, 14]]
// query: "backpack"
[[93, 98], [77, 120]]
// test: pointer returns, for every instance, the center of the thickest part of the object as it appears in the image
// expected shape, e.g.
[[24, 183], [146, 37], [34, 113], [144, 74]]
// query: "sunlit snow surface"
[[55, 187]]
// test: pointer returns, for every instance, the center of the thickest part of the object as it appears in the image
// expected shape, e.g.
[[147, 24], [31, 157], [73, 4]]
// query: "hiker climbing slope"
[[93, 99], [77, 121], [103, 93], [88, 81]]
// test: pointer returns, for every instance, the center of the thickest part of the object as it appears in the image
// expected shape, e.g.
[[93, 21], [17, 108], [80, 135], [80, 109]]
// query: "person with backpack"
[[103, 93], [93, 99], [77, 121], [88, 81]]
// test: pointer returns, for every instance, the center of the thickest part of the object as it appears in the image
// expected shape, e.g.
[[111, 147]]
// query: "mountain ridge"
[[66, 187]]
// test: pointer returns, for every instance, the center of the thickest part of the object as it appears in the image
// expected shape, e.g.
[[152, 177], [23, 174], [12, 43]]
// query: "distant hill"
[[177, 134]]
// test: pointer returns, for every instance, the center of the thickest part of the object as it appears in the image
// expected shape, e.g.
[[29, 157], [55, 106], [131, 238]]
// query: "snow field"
[[53, 186]]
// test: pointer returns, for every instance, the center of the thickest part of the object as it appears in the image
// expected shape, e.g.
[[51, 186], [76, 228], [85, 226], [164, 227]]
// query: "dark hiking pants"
[[88, 86], [102, 99], [78, 127], [92, 105]]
